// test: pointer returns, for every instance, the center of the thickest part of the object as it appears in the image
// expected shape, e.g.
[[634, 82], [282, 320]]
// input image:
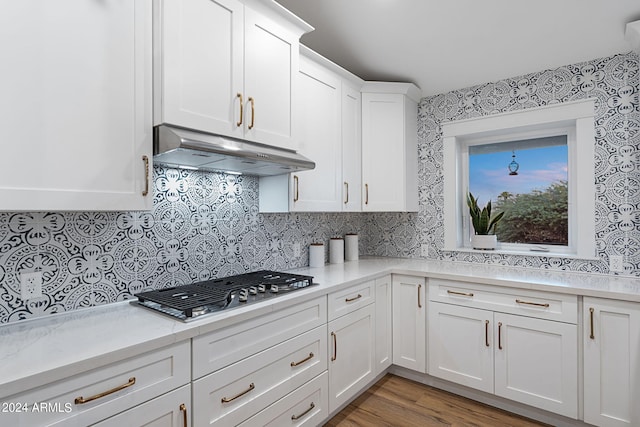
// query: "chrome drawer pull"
[[80, 400], [352, 299], [242, 393], [537, 304], [297, 417], [464, 294], [303, 360]]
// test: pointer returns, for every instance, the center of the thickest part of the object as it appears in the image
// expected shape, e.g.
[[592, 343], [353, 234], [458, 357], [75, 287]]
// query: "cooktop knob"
[[242, 295], [262, 288], [274, 289], [253, 290]]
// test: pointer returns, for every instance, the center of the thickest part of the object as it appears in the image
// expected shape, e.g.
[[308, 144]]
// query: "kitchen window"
[[537, 166]]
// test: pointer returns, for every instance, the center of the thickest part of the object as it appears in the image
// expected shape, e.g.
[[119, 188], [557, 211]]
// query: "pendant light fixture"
[[513, 166]]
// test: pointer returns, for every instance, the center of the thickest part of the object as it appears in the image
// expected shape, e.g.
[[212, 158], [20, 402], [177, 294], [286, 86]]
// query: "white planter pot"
[[484, 242]]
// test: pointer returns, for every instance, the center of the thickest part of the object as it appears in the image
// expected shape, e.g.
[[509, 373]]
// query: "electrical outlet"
[[424, 250], [296, 250], [31, 285], [616, 263]]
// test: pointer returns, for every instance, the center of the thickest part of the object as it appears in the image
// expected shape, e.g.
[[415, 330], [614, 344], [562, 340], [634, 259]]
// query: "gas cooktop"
[[189, 302]]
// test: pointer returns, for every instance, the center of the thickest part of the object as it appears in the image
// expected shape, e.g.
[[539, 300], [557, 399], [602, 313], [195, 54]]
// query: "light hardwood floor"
[[397, 402]]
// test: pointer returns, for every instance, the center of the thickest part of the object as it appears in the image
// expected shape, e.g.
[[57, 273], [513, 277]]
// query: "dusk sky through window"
[[539, 168]]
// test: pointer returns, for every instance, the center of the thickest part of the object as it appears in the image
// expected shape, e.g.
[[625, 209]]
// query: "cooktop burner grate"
[[190, 301]]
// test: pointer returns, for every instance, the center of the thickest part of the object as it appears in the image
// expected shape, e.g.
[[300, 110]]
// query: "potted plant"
[[483, 225]]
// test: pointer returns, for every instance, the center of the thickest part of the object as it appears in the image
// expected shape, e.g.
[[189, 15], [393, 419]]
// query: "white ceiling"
[[442, 45]]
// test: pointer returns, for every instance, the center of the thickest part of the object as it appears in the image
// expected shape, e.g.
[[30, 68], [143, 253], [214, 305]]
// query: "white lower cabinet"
[[233, 394], [169, 410], [409, 322], [525, 359], [611, 362], [306, 406], [351, 355], [93, 396], [384, 349]]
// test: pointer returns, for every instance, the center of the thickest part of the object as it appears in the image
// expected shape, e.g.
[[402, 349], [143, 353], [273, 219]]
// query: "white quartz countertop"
[[40, 351]]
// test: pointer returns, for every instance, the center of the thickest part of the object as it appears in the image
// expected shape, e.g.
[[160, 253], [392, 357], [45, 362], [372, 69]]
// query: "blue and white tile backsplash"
[[207, 225]]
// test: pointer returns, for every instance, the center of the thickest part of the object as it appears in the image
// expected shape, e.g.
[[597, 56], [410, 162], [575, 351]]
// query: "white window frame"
[[576, 120]]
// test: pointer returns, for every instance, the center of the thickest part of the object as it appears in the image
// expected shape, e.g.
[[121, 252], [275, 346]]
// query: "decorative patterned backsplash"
[[207, 225], [614, 83], [202, 225]]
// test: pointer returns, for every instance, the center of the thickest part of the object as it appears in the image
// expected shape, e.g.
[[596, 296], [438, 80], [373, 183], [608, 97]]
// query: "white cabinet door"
[[76, 96], [169, 410], [461, 345], [409, 322], [351, 355], [389, 152], [383, 323], [351, 148], [536, 363], [611, 362], [271, 64], [319, 189], [200, 69]]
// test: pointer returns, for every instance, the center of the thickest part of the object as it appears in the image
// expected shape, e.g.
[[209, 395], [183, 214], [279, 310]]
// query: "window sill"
[[499, 251]]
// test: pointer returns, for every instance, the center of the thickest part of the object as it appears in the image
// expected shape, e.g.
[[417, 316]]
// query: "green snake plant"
[[483, 224]]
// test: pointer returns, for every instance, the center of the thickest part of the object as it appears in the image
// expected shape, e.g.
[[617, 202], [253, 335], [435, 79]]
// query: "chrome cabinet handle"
[[242, 393], [592, 335], [183, 409], [239, 122], [145, 159], [500, 335], [419, 303], [302, 361], [253, 112], [297, 417], [80, 400], [537, 304], [296, 183], [352, 299]]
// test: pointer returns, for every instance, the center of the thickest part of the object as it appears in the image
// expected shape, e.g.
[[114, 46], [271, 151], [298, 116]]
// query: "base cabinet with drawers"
[[242, 370], [611, 344], [94, 396], [521, 346], [351, 342]]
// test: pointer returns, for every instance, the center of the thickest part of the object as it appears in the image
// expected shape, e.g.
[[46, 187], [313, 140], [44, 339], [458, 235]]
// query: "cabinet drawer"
[[123, 385], [543, 305], [168, 410], [221, 348], [235, 393], [306, 406], [350, 299]]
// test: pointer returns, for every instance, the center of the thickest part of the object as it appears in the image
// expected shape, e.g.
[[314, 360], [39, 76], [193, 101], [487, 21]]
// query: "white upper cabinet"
[[389, 147], [76, 99], [328, 123], [228, 67]]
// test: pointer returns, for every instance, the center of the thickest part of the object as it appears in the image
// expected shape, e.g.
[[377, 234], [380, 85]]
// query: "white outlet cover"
[[31, 285]]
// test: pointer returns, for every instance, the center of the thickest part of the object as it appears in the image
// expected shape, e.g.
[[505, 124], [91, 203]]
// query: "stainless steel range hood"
[[178, 147]]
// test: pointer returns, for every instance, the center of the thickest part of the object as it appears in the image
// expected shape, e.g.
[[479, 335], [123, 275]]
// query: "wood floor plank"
[[397, 402]]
